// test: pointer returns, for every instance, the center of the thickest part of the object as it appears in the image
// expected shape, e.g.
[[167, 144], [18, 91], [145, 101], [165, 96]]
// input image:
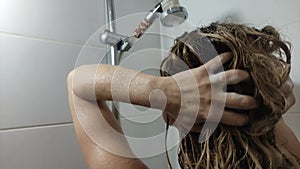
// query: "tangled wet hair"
[[266, 57]]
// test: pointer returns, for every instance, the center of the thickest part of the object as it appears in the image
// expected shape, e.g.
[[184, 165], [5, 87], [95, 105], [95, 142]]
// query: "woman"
[[89, 86], [267, 59]]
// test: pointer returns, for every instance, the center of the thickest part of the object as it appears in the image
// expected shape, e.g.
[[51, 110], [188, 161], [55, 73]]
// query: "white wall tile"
[[40, 148], [136, 126], [296, 107], [33, 74], [147, 138], [124, 8], [65, 20], [293, 35], [293, 120], [147, 58], [129, 110], [250, 11], [145, 128]]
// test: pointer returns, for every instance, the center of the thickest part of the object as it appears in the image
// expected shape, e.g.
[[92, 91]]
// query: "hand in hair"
[[287, 89], [188, 104]]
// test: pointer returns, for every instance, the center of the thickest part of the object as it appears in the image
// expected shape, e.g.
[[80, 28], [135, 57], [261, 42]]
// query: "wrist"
[[156, 96], [168, 86]]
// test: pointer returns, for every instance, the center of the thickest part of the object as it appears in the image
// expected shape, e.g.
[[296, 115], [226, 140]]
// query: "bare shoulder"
[[287, 138]]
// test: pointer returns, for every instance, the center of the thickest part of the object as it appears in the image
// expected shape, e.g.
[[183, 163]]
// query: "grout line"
[[35, 126], [47, 39], [66, 42]]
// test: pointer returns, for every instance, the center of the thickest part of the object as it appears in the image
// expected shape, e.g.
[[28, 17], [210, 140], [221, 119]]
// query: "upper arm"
[[286, 138]]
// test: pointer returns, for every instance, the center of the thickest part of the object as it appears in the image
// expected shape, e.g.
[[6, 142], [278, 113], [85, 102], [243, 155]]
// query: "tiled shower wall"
[[40, 42]]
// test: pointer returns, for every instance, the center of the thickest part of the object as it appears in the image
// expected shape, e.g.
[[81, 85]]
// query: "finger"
[[287, 87], [229, 118], [290, 101], [240, 101], [232, 118], [235, 76], [218, 61], [230, 77]]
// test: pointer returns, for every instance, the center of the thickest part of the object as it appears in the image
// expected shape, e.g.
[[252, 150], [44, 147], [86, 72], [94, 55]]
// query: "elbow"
[[73, 89], [79, 83], [70, 78]]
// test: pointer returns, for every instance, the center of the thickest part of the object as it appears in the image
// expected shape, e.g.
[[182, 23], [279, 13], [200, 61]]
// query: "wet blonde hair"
[[266, 58]]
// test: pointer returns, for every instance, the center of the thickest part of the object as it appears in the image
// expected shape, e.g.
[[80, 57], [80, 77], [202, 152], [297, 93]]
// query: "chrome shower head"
[[173, 13]]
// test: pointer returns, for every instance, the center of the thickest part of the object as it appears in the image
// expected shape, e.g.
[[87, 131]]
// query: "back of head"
[[266, 57]]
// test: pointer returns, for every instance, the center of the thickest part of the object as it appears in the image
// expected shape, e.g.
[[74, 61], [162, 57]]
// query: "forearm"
[[107, 82]]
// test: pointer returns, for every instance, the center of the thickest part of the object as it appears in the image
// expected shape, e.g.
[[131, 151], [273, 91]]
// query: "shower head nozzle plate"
[[174, 16]]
